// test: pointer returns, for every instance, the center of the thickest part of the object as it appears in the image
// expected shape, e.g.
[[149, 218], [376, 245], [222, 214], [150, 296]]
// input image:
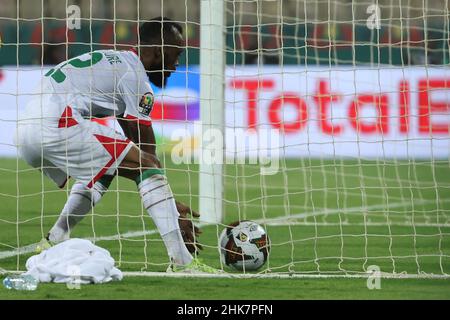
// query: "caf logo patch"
[[146, 104], [242, 237]]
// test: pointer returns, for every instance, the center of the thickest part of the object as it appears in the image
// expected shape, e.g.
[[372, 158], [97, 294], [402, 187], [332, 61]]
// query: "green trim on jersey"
[[59, 76]]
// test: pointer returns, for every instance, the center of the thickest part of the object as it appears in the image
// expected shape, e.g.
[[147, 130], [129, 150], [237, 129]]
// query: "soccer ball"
[[244, 245]]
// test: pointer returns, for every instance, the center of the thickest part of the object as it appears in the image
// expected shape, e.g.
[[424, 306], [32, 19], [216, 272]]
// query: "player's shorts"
[[70, 146]]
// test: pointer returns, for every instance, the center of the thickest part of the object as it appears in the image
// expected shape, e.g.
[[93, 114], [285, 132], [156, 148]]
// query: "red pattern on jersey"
[[67, 120], [114, 147], [140, 121], [134, 51]]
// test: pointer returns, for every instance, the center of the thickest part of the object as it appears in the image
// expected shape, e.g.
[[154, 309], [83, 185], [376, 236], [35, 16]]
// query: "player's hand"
[[189, 231]]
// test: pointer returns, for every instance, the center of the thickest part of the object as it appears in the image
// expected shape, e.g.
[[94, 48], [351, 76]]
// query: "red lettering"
[[427, 107], [252, 87], [404, 106], [381, 125], [323, 99], [278, 103]]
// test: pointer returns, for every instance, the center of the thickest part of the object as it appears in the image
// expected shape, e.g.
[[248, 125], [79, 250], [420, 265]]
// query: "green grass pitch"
[[345, 215]]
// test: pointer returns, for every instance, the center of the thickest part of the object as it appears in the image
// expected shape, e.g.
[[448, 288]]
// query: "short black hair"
[[158, 29]]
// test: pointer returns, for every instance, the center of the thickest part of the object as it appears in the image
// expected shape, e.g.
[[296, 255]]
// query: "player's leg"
[[88, 151], [158, 200], [79, 203], [80, 149]]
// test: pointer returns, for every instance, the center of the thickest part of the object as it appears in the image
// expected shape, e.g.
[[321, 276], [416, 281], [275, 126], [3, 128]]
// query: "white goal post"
[[212, 111]]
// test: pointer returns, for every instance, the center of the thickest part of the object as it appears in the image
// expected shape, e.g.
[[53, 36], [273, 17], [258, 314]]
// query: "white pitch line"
[[32, 247], [272, 221], [344, 211], [369, 224], [19, 251]]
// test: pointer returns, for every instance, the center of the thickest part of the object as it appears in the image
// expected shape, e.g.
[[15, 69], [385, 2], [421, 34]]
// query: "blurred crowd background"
[[311, 32]]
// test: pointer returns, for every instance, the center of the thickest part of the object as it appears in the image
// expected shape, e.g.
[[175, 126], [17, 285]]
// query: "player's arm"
[[137, 126], [141, 133], [189, 231]]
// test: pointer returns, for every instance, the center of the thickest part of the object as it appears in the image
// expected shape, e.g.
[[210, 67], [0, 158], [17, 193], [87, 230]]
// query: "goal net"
[[326, 122]]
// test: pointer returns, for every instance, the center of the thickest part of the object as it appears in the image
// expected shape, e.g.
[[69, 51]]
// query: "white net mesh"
[[346, 103]]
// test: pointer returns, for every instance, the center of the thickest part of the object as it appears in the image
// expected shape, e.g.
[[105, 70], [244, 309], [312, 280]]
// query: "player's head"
[[161, 43]]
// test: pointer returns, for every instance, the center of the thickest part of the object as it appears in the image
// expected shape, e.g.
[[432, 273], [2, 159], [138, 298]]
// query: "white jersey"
[[54, 131], [99, 84]]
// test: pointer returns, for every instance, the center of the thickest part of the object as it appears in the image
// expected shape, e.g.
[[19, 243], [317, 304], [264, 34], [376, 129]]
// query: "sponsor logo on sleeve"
[[146, 104]]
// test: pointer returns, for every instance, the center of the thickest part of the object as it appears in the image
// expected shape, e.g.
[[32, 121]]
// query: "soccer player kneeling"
[[56, 135]]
